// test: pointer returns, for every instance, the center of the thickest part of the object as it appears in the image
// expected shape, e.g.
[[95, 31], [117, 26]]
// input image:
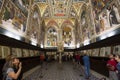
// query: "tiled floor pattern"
[[56, 71]]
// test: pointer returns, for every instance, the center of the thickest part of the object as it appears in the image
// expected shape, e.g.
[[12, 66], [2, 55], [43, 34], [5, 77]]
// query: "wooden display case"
[[116, 49], [5, 51], [25, 53], [19, 52], [31, 53], [95, 52], [0, 52], [89, 52], [36, 53], [107, 51], [14, 51], [102, 52]]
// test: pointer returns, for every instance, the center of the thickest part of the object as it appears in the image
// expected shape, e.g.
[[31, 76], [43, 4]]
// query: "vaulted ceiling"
[[60, 12], [59, 8]]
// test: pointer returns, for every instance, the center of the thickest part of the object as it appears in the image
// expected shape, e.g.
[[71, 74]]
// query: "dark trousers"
[[118, 75]]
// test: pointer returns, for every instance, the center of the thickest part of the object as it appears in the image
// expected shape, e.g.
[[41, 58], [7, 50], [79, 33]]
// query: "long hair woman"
[[12, 68]]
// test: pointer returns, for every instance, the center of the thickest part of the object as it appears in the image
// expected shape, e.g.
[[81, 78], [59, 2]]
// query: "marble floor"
[[56, 71]]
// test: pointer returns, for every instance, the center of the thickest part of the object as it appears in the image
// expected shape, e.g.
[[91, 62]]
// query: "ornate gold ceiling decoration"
[[60, 8], [67, 29], [46, 13], [42, 7], [72, 13], [56, 12], [49, 22], [59, 22], [77, 7], [70, 22]]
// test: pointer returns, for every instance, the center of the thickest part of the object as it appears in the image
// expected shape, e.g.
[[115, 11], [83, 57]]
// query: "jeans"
[[87, 71], [113, 75]]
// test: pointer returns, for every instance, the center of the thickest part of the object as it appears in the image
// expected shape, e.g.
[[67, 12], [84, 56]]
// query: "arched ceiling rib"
[[77, 7], [42, 7], [60, 12], [59, 8]]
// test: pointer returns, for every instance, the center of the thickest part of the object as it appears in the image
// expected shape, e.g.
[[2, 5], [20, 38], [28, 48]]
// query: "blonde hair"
[[10, 59], [9, 63]]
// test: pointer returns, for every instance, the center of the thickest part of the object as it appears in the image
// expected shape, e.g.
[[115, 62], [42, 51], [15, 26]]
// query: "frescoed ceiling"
[[59, 10]]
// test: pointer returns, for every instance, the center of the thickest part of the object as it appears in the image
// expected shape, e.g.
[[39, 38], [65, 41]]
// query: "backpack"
[[4, 76], [4, 71]]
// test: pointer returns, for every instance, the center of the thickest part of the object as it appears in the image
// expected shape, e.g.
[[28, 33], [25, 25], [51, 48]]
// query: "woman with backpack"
[[12, 68]]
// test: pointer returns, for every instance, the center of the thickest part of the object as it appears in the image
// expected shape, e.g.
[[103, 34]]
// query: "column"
[[60, 45]]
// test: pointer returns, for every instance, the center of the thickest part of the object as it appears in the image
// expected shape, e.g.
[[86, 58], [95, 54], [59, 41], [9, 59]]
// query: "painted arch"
[[51, 34], [68, 34], [85, 23], [34, 25]]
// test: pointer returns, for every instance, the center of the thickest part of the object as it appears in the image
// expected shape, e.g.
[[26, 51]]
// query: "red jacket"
[[77, 57], [42, 57], [111, 64]]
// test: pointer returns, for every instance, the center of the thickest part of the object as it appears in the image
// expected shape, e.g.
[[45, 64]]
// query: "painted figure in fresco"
[[118, 2], [17, 21], [99, 4], [108, 17], [87, 34], [23, 27], [84, 33], [116, 12], [113, 19], [25, 4], [84, 25], [105, 19], [83, 21], [1, 3], [53, 2], [51, 37], [48, 42], [72, 13], [20, 2], [102, 23], [97, 26], [34, 37], [8, 12], [35, 15], [54, 42]]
